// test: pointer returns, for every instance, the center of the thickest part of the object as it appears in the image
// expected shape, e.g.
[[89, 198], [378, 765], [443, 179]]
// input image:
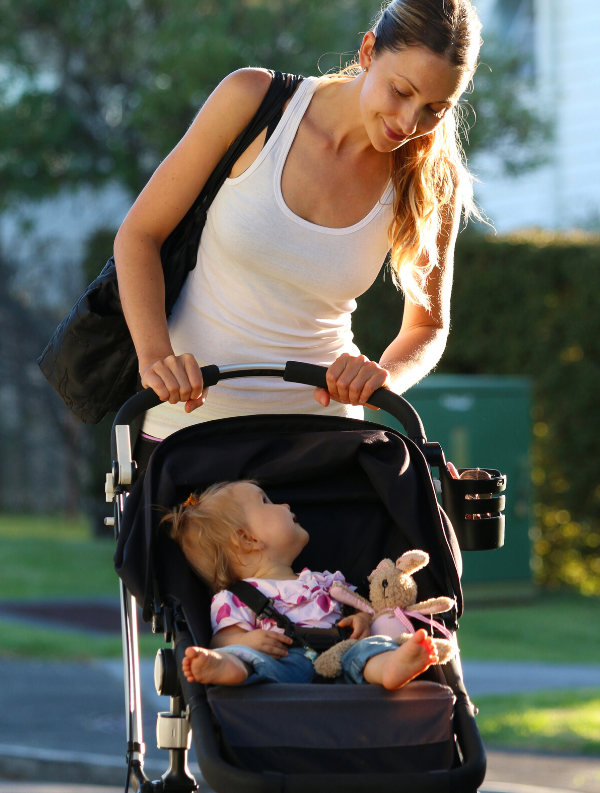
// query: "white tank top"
[[270, 287]]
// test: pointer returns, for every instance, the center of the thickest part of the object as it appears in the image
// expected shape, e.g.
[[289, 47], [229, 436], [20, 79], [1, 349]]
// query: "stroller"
[[364, 492]]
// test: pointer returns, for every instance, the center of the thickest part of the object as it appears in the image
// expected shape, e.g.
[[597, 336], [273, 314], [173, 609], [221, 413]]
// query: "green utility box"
[[484, 422]]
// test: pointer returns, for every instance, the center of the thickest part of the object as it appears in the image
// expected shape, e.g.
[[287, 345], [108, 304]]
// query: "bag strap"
[[182, 243], [262, 606], [282, 88]]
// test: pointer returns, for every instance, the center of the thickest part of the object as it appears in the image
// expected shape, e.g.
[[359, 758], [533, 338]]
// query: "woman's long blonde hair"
[[426, 171]]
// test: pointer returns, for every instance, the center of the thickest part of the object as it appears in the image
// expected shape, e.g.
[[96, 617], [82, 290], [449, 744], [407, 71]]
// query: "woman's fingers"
[[198, 392], [182, 389], [150, 379], [176, 378], [322, 396], [353, 380], [194, 375]]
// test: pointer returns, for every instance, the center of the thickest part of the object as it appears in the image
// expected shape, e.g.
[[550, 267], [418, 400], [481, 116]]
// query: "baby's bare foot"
[[409, 660], [210, 666]]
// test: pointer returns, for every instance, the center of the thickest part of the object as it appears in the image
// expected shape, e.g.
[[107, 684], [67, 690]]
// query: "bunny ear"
[[385, 564], [411, 561]]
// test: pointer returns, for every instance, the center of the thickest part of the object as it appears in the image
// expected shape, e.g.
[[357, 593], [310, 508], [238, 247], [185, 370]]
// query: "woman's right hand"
[[176, 378]]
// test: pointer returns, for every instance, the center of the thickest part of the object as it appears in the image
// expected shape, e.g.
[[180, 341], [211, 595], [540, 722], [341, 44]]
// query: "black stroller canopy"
[[362, 492]]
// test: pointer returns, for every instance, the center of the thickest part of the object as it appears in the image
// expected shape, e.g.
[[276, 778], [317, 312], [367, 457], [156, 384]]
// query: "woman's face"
[[405, 94]]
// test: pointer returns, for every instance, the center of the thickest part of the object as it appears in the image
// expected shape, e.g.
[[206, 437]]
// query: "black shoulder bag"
[[90, 360]]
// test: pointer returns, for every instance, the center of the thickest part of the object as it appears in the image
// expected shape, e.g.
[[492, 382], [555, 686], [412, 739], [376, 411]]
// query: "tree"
[[96, 91], [501, 113]]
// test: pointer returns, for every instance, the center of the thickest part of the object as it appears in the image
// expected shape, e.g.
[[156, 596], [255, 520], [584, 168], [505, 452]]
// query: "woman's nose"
[[409, 121]]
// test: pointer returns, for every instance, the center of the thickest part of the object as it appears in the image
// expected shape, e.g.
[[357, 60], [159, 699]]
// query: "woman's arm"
[[418, 346], [423, 334], [169, 194]]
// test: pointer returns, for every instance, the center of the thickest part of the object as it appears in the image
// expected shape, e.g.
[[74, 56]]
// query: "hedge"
[[529, 304]]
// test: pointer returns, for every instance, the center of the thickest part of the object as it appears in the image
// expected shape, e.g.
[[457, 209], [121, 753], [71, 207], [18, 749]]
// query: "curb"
[[27, 763]]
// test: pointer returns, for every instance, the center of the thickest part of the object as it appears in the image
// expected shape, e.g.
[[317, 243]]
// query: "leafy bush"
[[529, 304]]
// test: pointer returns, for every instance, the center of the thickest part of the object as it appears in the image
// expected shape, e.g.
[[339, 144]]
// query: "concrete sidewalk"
[[513, 677]]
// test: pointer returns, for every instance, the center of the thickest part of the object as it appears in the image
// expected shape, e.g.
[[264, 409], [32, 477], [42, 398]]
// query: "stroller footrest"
[[338, 728]]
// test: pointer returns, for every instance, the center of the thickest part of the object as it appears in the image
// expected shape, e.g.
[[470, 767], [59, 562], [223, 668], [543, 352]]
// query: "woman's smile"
[[393, 135]]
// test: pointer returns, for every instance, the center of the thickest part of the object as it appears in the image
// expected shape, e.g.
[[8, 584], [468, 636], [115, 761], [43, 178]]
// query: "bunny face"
[[390, 587]]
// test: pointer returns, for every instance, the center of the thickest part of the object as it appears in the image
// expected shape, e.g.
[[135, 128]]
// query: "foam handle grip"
[[306, 374], [210, 375], [395, 405]]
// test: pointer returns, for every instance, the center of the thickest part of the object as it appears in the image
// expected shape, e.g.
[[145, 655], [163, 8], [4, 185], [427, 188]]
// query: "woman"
[[360, 162]]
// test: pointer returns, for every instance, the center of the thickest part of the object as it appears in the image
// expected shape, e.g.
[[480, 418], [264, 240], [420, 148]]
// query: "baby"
[[234, 531]]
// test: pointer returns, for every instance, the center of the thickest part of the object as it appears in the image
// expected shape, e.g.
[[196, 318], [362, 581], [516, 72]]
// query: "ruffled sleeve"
[[226, 609]]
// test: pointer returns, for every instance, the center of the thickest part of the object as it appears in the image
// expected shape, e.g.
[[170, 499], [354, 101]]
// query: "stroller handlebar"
[[293, 372], [395, 405]]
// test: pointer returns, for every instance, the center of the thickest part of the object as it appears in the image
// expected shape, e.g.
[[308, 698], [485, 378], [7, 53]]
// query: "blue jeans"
[[297, 668]]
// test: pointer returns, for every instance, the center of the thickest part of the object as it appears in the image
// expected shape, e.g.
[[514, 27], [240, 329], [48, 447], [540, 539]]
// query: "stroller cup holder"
[[475, 508]]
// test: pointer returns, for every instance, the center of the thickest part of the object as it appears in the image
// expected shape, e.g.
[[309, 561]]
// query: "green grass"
[[52, 557], [548, 721], [559, 627], [20, 640]]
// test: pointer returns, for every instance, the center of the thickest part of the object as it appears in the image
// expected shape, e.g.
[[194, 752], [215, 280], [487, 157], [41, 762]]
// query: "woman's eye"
[[440, 114], [397, 92]]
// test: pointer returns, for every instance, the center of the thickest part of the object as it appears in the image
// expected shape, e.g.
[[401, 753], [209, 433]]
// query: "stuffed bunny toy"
[[393, 600]]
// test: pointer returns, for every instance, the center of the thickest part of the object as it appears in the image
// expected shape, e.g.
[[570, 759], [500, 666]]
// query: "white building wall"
[[566, 192]]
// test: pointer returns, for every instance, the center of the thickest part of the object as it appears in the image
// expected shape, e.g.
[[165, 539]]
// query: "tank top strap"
[[295, 111]]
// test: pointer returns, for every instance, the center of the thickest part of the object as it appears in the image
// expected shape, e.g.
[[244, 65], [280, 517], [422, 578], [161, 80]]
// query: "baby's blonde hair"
[[207, 527]]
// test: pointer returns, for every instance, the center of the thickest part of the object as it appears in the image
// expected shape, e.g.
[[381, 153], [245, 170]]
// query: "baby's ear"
[[244, 541], [411, 561], [386, 564]]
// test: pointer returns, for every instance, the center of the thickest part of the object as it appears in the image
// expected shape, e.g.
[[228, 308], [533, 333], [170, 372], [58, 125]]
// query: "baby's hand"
[[360, 624], [267, 642]]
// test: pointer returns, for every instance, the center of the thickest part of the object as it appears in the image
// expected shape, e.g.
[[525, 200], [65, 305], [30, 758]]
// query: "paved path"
[[522, 772], [512, 677]]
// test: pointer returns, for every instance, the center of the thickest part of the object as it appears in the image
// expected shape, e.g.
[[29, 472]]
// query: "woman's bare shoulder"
[[181, 176], [237, 98]]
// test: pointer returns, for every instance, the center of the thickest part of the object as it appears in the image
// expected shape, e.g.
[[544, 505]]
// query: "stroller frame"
[[190, 715]]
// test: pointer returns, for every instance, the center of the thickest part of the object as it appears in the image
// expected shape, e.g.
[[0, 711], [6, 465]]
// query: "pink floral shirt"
[[305, 601]]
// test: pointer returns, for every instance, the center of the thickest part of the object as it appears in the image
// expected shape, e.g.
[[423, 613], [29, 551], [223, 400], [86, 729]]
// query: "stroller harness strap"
[[313, 640]]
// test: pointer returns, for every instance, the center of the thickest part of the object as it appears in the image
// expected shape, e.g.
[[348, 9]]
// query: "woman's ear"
[[365, 54]]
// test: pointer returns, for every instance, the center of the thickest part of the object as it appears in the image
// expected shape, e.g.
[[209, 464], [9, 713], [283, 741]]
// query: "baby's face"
[[274, 525]]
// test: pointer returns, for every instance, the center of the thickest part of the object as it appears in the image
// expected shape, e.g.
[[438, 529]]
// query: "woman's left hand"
[[351, 380]]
